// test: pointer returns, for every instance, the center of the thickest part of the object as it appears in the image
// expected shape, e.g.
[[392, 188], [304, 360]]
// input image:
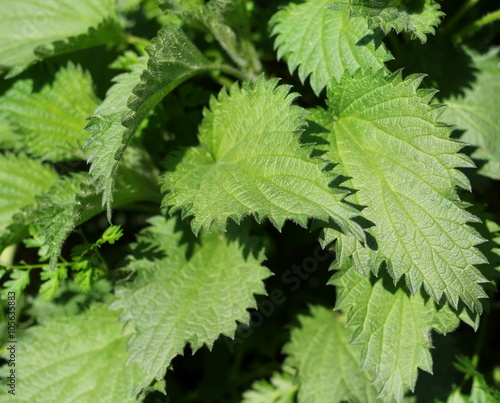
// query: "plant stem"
[[95, 249], [34, 266], [478, 24], [232, 72], [480, 340], [223, 80], [455, 19]]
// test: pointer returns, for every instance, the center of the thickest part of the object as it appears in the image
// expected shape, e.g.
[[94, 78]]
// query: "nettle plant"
[[292, 217]]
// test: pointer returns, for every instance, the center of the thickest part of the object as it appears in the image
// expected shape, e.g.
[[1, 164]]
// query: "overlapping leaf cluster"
[[374, 168]]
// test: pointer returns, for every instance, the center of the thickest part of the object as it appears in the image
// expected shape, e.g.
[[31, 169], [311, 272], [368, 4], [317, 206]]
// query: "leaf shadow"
[[448, 67], [376, 37]]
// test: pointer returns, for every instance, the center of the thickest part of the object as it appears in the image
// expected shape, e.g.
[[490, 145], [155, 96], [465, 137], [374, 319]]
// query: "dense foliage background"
[[144, 104]]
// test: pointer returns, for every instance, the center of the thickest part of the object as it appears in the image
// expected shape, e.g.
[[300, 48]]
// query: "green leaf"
[[71, 201], [8, 138], [17, 282], [121, 90], [251, 162], [173, 59], [52, 281], [402, 164], [418, 18], [188, 297], [228, 21], [31, 30], [21, 180], [475, 111], [49, 122], [327, 365], [322, 43], [480, 391], [75, 358], [392, 327], [107, 131], [279, 389]]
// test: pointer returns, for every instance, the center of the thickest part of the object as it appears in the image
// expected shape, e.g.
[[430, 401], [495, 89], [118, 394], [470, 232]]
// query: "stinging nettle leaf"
[[476, 112], [321, 43], [419, 18], [188, 297], [251, 162], [279, 389], [21, 180], [73, 200], [391, 327], [75, 358], [327, 365], [402, 165], [48, 123], [31, 30], [69, 202], [173, 59]]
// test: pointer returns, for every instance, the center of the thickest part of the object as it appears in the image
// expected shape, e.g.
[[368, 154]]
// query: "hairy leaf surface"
[[322, 44], [31, 30], [75, 358], [73, 200], [173, 58], [419, 18], [327, 365], [49, 122], [188, 296], [21, 180], [121, 90], [107, 131], [251, 162], [392, 327], [69, 202], [476, 113], [402, 164]]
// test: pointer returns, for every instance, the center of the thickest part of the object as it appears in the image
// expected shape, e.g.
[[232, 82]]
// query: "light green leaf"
[[31, 30], [71, 200], [327, 366], [51, 281], [17, 282], [188, 296], [75, 358], [419, 18], [251, 162], [21, 180], [279, 389], [49, 122], [322, 43], [402, 164], [392, 327], [173, 58], [476, 112], [121, 90], [107, 130], [8, 138]]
